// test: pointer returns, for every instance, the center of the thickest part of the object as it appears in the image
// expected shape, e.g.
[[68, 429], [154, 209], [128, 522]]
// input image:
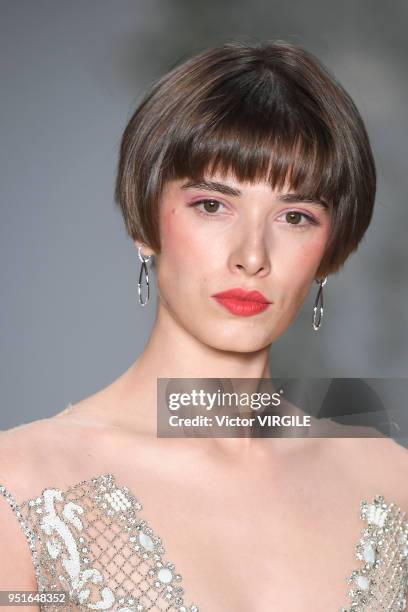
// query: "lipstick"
[[241, 302]]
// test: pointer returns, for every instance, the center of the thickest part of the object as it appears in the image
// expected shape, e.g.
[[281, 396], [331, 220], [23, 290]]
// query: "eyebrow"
[[291, 198]]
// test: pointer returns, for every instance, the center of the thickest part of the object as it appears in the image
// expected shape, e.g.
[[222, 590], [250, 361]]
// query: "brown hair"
[[265, 111]]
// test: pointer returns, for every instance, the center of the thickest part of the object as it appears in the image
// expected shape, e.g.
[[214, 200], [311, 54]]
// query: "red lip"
[[241, 302], [242, 294]]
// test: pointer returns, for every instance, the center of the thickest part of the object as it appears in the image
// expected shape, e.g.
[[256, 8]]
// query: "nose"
[[250, 257]]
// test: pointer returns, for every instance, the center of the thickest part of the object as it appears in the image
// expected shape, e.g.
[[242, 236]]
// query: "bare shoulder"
[[376, 465], [22, 451], [45, 452], [49, 452], [383, 453]]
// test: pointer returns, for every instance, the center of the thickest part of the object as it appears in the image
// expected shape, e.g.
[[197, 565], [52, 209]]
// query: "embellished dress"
[[93, 549], [91, 543]]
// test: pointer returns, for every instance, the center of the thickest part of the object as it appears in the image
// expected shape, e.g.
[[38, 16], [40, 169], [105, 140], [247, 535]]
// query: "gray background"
[[71, 75]]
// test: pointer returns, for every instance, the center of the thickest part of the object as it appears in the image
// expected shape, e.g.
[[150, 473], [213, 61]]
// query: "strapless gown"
[[92, 543]]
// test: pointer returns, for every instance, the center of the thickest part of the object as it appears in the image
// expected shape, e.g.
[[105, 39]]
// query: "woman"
[[246, 169]]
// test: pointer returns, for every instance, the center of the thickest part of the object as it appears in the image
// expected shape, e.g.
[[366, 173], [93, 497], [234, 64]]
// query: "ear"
[[145, 250]]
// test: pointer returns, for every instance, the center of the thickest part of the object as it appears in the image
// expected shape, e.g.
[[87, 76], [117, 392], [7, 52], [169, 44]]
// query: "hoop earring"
[[143, 269], [318, 305]]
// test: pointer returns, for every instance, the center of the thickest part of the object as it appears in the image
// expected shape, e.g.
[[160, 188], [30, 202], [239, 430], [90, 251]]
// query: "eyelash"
[[310, 220]]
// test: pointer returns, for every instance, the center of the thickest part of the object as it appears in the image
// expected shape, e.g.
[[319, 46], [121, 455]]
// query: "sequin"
[[85, 542], [91, 542], [381, 581]]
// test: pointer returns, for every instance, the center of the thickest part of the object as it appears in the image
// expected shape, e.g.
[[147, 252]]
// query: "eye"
[[293, 217], [210, 206]]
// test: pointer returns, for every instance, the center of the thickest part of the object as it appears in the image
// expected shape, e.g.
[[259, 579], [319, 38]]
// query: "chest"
[[231, 554], [250, 549], [224, 542]]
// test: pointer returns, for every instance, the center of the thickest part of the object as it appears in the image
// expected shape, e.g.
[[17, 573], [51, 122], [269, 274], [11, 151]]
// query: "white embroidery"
[[52, 522], [376, 515], [118, 500]]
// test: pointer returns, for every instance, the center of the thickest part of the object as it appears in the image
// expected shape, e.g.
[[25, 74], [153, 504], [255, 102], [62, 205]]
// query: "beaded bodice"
[[91, 542]]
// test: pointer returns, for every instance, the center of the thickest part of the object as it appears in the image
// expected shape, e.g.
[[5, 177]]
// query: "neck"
[[171, 352]]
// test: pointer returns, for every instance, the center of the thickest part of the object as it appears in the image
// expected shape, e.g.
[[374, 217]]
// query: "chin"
[[236, 342]]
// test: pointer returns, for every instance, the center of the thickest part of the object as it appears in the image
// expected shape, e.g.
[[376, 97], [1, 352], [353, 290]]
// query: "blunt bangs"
[[268, 112], [281, 151]]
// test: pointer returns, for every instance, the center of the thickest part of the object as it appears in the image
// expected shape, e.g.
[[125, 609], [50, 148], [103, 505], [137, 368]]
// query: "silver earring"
[[318, 305], [143, 269]]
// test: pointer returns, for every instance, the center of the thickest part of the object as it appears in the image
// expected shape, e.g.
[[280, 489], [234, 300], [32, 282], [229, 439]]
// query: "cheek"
[[297, 269], [184, 251], [307, 253], [311, 254], [174, 240]]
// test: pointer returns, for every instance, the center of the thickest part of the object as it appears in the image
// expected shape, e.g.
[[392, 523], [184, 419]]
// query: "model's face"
[[216, 239]]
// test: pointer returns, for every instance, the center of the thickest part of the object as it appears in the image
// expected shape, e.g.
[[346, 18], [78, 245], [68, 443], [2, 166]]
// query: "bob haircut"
[[268, 111]]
